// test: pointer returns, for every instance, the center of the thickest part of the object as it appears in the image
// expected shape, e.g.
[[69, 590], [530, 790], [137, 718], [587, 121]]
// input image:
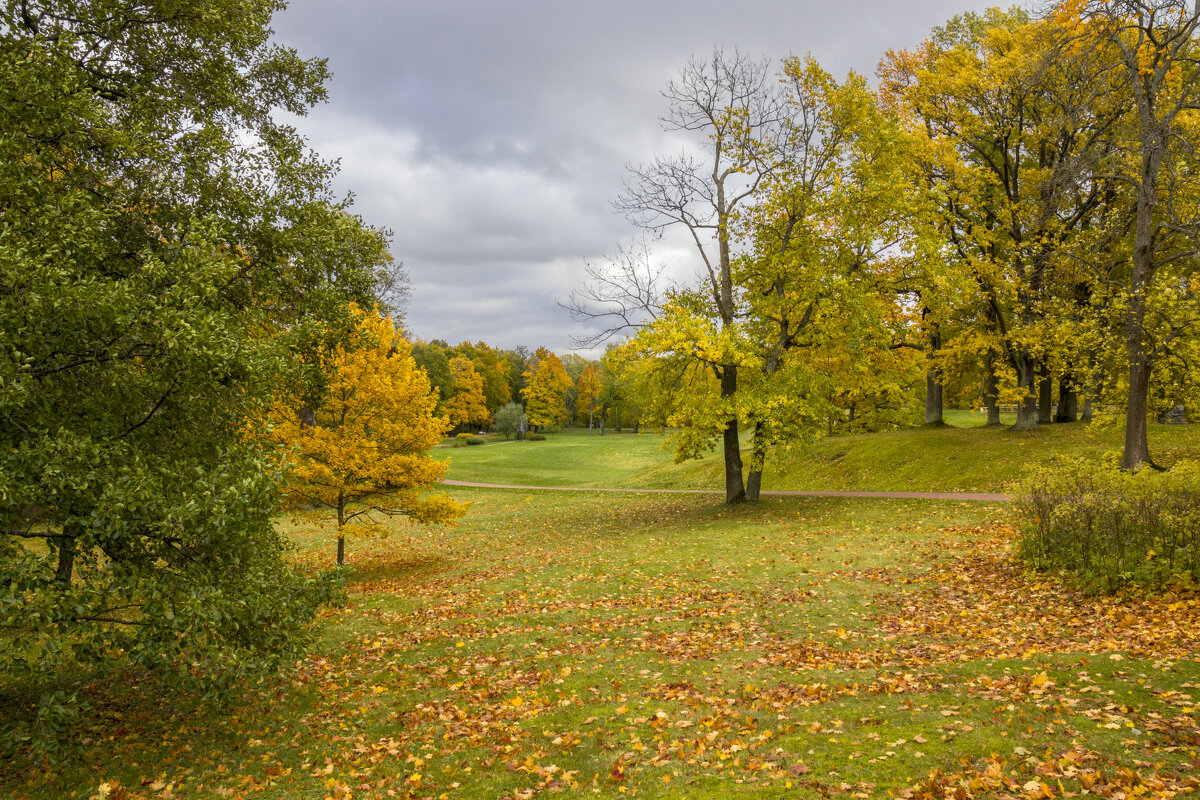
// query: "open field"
[[600, 645]]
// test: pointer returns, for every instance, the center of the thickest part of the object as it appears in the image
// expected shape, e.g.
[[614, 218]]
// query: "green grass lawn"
[[963, 457], [668, 646]]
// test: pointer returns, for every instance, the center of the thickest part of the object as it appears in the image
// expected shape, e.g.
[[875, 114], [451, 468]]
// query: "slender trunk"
[[735, 492], [1045, 397], [603, 419], [1137, 441], [66, 553], [991, 390], [591, 415], [933, 381], [341, 509]]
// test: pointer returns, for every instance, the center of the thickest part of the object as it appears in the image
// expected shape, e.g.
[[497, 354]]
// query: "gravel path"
[[985, 497]]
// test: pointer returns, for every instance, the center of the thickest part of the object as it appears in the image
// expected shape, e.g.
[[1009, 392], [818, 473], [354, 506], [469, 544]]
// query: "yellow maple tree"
[[365, 448], [466, 403], [546, 390]]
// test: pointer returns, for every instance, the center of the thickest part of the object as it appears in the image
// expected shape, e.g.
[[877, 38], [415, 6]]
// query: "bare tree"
[[623, 292], [732, 107]]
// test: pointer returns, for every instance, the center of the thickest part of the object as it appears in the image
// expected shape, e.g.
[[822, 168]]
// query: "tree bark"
[[933, 383], [1027, 405], [933, 401], [754, 478], [1068, 400], [735, 492], [991, 390], [1137, 441], [66, 553], [341, 547], [1045, 397]]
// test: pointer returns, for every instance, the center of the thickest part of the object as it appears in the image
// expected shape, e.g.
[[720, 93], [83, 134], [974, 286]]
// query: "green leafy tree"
[[508, 419], [158, 274]]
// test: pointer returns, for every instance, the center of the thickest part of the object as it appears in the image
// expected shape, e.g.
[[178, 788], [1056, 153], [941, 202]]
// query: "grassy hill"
[[966, 456]]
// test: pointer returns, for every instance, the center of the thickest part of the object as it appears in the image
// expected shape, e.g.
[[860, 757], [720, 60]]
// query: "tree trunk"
[[933, 401], [1068, 400], [1027, 405], [735, 492], [603, 419], [1137, 441], [66, 553], [754, 478], [933, 383], [991, 390], [341, 550], [1045, 397]]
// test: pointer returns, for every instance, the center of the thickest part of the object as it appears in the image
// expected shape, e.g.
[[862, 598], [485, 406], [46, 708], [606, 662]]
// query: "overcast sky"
[[492, 136]]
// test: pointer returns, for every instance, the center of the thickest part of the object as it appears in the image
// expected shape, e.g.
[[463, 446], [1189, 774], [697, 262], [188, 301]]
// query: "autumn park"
[[898, 495]]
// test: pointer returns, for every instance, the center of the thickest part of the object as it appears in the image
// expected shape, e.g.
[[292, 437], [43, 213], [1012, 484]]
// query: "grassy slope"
[[967, 458], [671, 647]]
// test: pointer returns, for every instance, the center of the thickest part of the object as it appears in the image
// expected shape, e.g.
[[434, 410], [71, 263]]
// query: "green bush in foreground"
[[1112, 527]]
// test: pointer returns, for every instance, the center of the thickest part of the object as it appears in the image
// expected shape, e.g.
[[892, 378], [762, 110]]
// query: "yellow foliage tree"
[[588, 388], [365, 448], [546, 390], [466, 403]]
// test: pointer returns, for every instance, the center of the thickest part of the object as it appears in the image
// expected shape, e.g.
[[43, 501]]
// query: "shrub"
[[535, 437], [475, 440], [464, 436], [1110, 527]]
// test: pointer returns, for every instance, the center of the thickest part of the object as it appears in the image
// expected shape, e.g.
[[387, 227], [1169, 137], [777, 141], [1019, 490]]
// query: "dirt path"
[[985, 497]]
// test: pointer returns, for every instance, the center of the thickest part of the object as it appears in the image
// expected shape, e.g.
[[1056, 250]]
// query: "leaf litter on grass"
[[809, 647]]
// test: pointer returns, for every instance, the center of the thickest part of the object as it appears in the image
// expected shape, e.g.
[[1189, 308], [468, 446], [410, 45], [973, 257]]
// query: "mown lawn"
[[963, 457], [666, 646]]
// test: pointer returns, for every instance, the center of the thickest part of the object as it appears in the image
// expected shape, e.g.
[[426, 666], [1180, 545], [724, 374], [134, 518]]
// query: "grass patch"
[[669, 646], [971, 458]]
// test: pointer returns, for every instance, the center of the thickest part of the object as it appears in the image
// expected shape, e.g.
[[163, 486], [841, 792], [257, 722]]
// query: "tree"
[[1014, 146], [588, 387], [466, 402], [729, 107], [546, 390], [1155, 60], [492, 368], [166, 249], [434, 358], [508, 419], [366, 448]]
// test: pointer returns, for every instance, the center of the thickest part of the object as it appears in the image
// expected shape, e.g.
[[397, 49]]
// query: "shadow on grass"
[[392, 570]]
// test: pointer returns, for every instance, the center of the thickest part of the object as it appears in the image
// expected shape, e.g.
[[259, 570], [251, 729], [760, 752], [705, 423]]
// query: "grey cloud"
[[492, 137]]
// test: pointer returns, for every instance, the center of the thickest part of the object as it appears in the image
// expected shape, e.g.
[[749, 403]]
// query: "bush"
[[535, 437], [1110, 527], [464, 436], [475, 440]]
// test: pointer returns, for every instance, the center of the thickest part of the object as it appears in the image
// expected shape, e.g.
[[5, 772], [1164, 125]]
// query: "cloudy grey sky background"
[[492, 135]]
